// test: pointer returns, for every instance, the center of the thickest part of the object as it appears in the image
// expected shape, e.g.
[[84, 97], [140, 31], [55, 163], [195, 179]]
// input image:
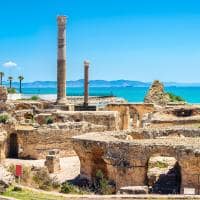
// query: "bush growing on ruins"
[[68, 188], [44, 181], [159, 164], [175, 98], [3, 118], [49, 120], [102, 185], [34, 98]]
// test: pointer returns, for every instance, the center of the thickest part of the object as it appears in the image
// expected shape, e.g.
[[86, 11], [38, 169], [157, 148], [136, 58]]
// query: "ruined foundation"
[[150, 147], [125, 162]]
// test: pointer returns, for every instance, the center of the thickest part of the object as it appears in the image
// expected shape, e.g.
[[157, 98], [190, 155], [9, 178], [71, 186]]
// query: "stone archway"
[[13, 146], [164, 175]]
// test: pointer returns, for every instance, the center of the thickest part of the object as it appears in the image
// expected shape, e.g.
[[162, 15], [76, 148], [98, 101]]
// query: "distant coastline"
[[131, 94], [132, 91], [99, 83]]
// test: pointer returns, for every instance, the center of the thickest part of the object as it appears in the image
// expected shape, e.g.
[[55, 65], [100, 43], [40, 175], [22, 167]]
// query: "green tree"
[[1, 78], [10, 79], [21, 78]]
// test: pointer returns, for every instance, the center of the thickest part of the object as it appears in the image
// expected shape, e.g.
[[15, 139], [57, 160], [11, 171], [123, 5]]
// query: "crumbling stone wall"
[[141, 110], [36, 135], [159, 120], [126, 162], [28, 104], [109, 119], [124, 114], [182, 110], [3, 137], [36, 142], [152, 133], [131, 115]]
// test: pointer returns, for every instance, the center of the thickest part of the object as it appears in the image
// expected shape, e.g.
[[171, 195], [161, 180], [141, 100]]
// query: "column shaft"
[[61, 60], [86, 82]]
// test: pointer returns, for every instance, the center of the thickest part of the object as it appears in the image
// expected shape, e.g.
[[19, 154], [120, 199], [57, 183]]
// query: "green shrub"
[[159, 164], [175, 98], [3, 118], [44, 181], [49, 120], [11, 90], [102, 185], [34, 98], [68, 188]]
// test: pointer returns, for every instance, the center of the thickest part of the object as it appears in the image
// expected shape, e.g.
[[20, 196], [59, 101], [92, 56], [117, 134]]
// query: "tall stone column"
[[61, 60], [86, 82]]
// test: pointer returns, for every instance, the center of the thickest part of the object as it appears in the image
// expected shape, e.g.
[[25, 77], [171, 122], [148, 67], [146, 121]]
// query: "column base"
[[85, 108], [62, 104], [61, 101]]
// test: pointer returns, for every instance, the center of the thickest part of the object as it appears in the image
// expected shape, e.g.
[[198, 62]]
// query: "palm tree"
[[10, 79], [21, 78], [1, 78]]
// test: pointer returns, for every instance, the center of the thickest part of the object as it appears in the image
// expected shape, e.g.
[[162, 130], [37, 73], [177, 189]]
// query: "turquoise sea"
[[132, 94]]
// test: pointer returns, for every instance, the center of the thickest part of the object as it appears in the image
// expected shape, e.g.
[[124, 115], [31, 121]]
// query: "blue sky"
[[123, 39]]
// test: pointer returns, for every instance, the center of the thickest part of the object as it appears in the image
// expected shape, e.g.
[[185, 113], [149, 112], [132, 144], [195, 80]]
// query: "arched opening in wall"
[[13, 146], [164, 175]]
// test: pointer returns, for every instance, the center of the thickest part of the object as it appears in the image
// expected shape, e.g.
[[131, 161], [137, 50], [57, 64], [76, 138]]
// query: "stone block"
[[134, 190], [52, 162]]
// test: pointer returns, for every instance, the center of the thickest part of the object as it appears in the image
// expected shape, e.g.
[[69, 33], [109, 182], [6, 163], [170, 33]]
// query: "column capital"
[[86, 63], [61, 20]]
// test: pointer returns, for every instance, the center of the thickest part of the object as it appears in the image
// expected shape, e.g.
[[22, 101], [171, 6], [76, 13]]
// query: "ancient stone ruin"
[[157, 147], [126, 162], [157, 95], [136, 146], [139, 148]]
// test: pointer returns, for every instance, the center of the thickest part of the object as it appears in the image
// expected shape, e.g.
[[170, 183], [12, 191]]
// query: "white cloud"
[[10, 64]]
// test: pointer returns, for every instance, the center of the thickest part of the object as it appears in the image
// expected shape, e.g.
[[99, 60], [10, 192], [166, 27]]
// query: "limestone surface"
[[134, 190]]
